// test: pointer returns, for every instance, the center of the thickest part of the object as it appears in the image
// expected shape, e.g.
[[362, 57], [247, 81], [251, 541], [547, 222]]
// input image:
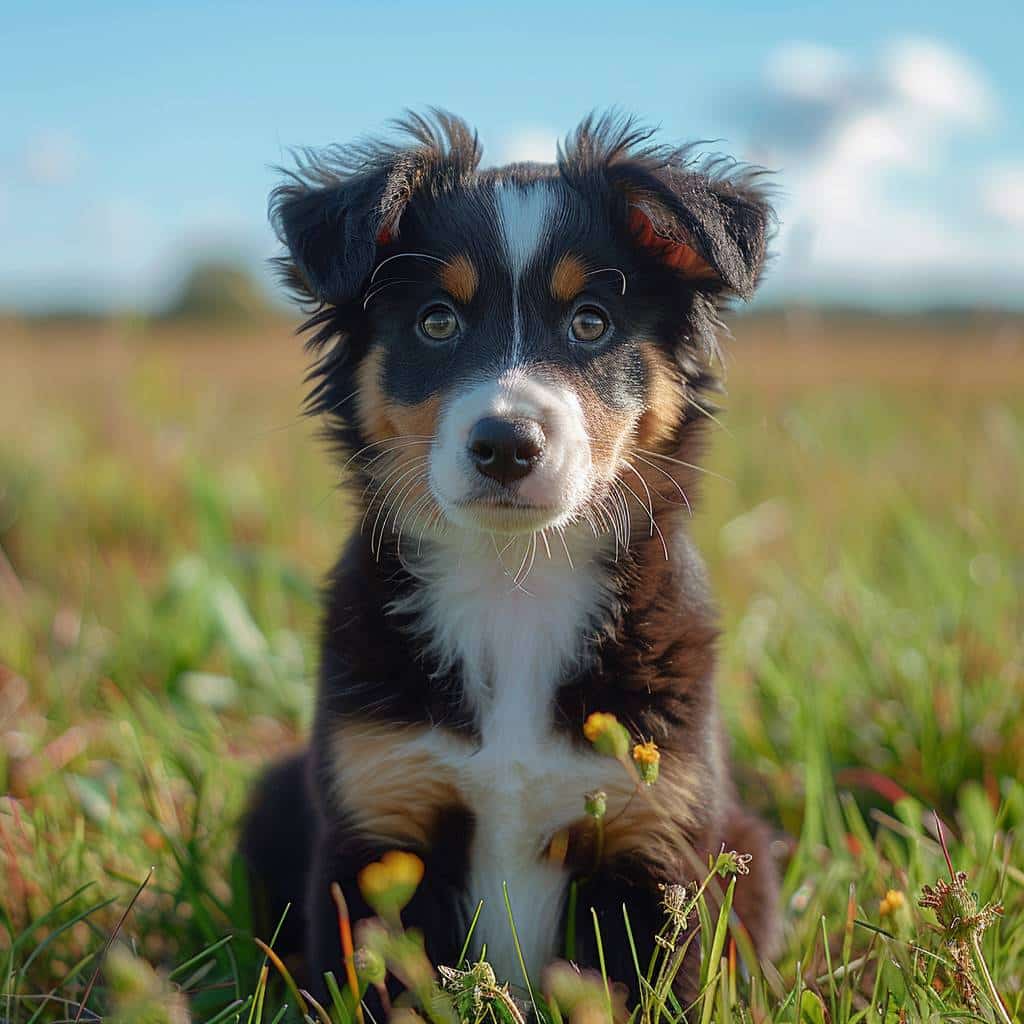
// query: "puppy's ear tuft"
[[330, 233], [340, 206], [708, 219]]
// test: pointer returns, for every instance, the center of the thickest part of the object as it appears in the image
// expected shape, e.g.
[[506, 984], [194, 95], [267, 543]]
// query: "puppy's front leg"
[[438, 909]]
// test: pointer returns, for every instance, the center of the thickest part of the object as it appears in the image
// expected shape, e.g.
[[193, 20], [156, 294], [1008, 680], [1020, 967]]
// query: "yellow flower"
[[597, 724], [389, 883], [891, 902], [646, 753], [607, 734], [647, 759]]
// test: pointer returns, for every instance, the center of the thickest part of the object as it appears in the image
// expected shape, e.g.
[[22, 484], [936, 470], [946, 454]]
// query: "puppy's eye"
[[439, 324], [588, 325]]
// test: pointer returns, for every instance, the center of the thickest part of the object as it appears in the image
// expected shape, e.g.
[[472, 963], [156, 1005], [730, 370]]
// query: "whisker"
[[436, 517], [414, 464], [416, 467], [654, 525], [531, 553], [404, 493], [337, 405], [425, 498], [671, 479], [526, 554], [714, 419], [401, 255], [686, 465], [511, 541], [609, 270], [623, 511], [606, 515], [379, 484], [568, 557], [398, 510], [650, 500], [374, 292], [421, 438], [376, 484]]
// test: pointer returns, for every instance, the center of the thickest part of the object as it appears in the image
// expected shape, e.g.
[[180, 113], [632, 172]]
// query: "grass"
[[166, 516]]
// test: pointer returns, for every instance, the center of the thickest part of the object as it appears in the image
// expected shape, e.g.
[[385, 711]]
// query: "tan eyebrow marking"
[[459, 278], [568, 278]]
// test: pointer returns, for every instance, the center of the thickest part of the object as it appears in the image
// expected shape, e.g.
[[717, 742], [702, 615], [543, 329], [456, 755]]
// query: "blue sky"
[[138, 136]]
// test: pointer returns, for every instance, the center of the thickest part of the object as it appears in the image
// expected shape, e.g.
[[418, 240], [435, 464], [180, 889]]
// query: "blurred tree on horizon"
[[220, 291]]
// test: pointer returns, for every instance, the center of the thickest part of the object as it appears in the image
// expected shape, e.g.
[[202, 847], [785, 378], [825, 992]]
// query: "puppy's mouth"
[[502, 514]]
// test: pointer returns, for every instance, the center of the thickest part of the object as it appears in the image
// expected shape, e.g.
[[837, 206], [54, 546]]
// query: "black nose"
[[505, 450]]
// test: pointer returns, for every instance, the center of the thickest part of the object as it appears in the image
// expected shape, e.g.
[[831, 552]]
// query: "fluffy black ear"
[[340, 206], [707, 218]]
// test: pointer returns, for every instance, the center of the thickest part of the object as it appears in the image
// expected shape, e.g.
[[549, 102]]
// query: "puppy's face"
[[516, 344]]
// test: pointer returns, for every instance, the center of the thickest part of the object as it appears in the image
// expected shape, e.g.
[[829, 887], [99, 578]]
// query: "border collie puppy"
[[516, 364]]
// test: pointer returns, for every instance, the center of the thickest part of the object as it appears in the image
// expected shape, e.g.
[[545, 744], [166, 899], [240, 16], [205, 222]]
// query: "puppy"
[[516, 365]]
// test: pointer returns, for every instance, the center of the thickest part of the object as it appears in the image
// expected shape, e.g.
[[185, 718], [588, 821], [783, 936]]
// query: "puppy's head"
[[507, 349]]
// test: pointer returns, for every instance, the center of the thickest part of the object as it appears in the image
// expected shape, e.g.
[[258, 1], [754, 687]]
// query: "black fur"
[[651, 660]]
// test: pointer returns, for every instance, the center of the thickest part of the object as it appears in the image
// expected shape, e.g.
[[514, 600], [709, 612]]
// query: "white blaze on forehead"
[[526, 218]]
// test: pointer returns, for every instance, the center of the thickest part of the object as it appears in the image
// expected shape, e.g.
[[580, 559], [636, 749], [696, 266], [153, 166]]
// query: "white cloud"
[[807, 71], [936, 80], [1002, 193], [861, 148]]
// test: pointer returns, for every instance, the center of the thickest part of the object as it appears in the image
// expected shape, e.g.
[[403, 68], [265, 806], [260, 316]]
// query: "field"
[[166, 516]]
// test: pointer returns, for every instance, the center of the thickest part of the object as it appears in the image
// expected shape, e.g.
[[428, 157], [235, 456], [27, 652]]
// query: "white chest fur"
[[513, 644]]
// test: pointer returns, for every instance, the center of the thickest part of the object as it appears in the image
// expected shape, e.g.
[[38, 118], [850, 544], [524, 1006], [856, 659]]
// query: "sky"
[[138, 137]]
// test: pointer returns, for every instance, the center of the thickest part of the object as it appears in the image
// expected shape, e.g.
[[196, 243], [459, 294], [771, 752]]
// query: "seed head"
[[962, 923], [596, 804], [731, 863], [675, 900]]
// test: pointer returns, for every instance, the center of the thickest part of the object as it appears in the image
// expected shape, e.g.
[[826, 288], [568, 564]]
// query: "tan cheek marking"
[[607, 428], [460, 279], [420, 419], [665, 400], [390, 782], [371, 405], [380, 417], [568, 278]]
